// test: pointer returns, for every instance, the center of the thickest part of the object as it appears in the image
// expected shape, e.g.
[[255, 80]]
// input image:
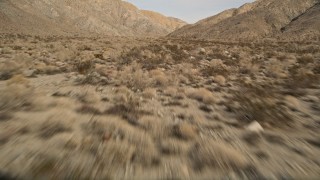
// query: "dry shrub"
[[149, 93], [305, 59], [84, 66], [65, 54], [216, 67], [18, 79], [187, 70], [146, 153], [8, 69], [316, 69], [16, 65], [270, 54], [119, 152], [292, 102], [220, 80], [59, 121], [260, 103], [170, 91], [160, 78], [156, 126], [177, 52], [301, 78], [248, 67], [92, 78], [282, 57], [202, 95], [275, 69], [89, 96], [139, 144], [129, 109], [134, 77], [127, 58], [123, 90], [16, 97], [209, 153], [151, 60], [150, 57], [185, 131]]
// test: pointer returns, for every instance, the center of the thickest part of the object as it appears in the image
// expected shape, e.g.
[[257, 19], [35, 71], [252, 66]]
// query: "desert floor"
[[129, 108]]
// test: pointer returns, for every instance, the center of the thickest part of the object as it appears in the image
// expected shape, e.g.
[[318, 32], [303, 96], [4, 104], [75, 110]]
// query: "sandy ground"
[[124, 108]]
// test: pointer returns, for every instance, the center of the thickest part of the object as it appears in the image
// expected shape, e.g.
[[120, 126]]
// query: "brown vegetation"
[[126, 108]]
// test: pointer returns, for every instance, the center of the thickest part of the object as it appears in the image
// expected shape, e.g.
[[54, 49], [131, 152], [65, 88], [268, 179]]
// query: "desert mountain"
[[262, 18], [110, 17], [306, 25]]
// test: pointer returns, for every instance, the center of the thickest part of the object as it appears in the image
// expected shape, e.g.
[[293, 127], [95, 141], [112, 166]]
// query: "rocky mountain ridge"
[[262, 18], [109, 17]]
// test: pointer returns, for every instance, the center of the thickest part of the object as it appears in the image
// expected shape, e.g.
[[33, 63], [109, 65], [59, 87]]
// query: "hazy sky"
[[188, 10]]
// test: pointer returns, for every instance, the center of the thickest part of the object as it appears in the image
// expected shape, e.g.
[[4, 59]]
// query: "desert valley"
[[99, 89]]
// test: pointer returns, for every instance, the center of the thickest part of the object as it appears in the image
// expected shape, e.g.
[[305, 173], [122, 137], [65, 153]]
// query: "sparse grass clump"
[[300, 78], [150, 93], [159, 78], [154, 55], [248, 67], [16, 97], [18, 79], [305, 59], [220, 80], [128, 109], [134, 77], [185, 131], [216, 67], [202, 95], [92, 78], [188, 73], [8, 69], [14, 66], [208, 153]]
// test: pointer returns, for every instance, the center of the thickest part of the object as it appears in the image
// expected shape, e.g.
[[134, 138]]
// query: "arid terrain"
[[99, 89], [285, 19], [82, 17], [130, 108]]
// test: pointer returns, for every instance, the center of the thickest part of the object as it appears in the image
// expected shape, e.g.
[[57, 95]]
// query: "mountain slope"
[[306, 25], [262, 18], [111, 17], [193, 30], [168, 22]]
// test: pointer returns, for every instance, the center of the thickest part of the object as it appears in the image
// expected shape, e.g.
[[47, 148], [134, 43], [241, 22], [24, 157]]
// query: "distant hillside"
[[307, 25], [110, 17], [262, 18]]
